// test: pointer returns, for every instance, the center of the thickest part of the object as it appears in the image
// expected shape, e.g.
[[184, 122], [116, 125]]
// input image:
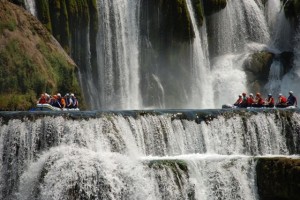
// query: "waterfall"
[[236, 31], [274, 83], [140, 156], [30, 6], [291, 79], [117, 83], [201, 88]]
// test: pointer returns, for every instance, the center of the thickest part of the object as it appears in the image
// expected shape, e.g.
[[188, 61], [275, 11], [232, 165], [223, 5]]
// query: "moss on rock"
[[291, 8], [198, 9], [61, 16], [278, 178], [31, 61]]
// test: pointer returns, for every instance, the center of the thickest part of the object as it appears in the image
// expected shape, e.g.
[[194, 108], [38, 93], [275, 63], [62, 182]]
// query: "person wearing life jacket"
[[292, 100], [258, 101], [42, 99], [244, 103], [238, 101], [55, 102], [75, 101], [250, 100], [61, 101], [270, 101], [282, 100], [68, 100]]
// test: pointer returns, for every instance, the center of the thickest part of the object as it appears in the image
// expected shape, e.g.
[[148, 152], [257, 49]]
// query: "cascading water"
[[30, 5], [241, 23], [200, 67], [290, 81], [149, 156], [117, 83], [274, 83]]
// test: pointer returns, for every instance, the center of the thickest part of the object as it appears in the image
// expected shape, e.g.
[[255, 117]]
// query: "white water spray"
[[54, 157], [30, 6], [201, 87], [236, 26], [118, 54], [274, 81]]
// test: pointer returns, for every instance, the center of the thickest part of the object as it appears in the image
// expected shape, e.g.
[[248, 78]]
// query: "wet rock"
[[278, 178]]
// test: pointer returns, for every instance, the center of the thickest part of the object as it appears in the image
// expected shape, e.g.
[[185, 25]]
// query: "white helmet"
[[58, 94]]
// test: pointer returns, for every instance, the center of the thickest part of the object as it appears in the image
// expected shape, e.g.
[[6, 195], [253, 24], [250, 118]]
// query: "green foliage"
[[11, 26], [198, 9], [43, 13], [20, 76], [177, 20], [17, 72], [17, 101], [63, 73], [173, 164]]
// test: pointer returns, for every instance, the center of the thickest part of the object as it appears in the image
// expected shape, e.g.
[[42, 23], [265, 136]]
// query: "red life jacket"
[[283, 99], [249, 101], [272, 101], [260, 101], [42, 100]]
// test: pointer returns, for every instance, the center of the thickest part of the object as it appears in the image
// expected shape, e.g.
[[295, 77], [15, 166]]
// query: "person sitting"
[[270, 101], [61, 101], [55, 102], [258, 101], [238, 101], [244, 103], [250, 100], [292, 100], [68, 100], [281, 101], [42, 99], [75, 101]]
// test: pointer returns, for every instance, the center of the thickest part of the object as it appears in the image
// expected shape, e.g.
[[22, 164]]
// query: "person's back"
[[56, 103], [250, 100], [270, 101], [238, 101], [75, 101], [292, 100]]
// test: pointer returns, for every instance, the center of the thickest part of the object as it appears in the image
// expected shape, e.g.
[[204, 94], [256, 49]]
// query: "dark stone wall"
[[278, 178]]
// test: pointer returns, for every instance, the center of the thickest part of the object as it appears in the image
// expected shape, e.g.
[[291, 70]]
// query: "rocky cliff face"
[[31, 61]]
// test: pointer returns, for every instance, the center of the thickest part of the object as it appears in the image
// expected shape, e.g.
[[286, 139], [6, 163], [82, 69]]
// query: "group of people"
[[68, 101], [245, 101]]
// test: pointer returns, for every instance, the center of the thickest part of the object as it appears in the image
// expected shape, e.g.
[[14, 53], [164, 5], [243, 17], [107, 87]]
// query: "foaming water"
[[144, 157], [117, 83], [241, 23]]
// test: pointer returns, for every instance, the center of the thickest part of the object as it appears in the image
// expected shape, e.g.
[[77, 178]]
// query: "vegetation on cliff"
[[61, 17], [31, 61], [291, 8]]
